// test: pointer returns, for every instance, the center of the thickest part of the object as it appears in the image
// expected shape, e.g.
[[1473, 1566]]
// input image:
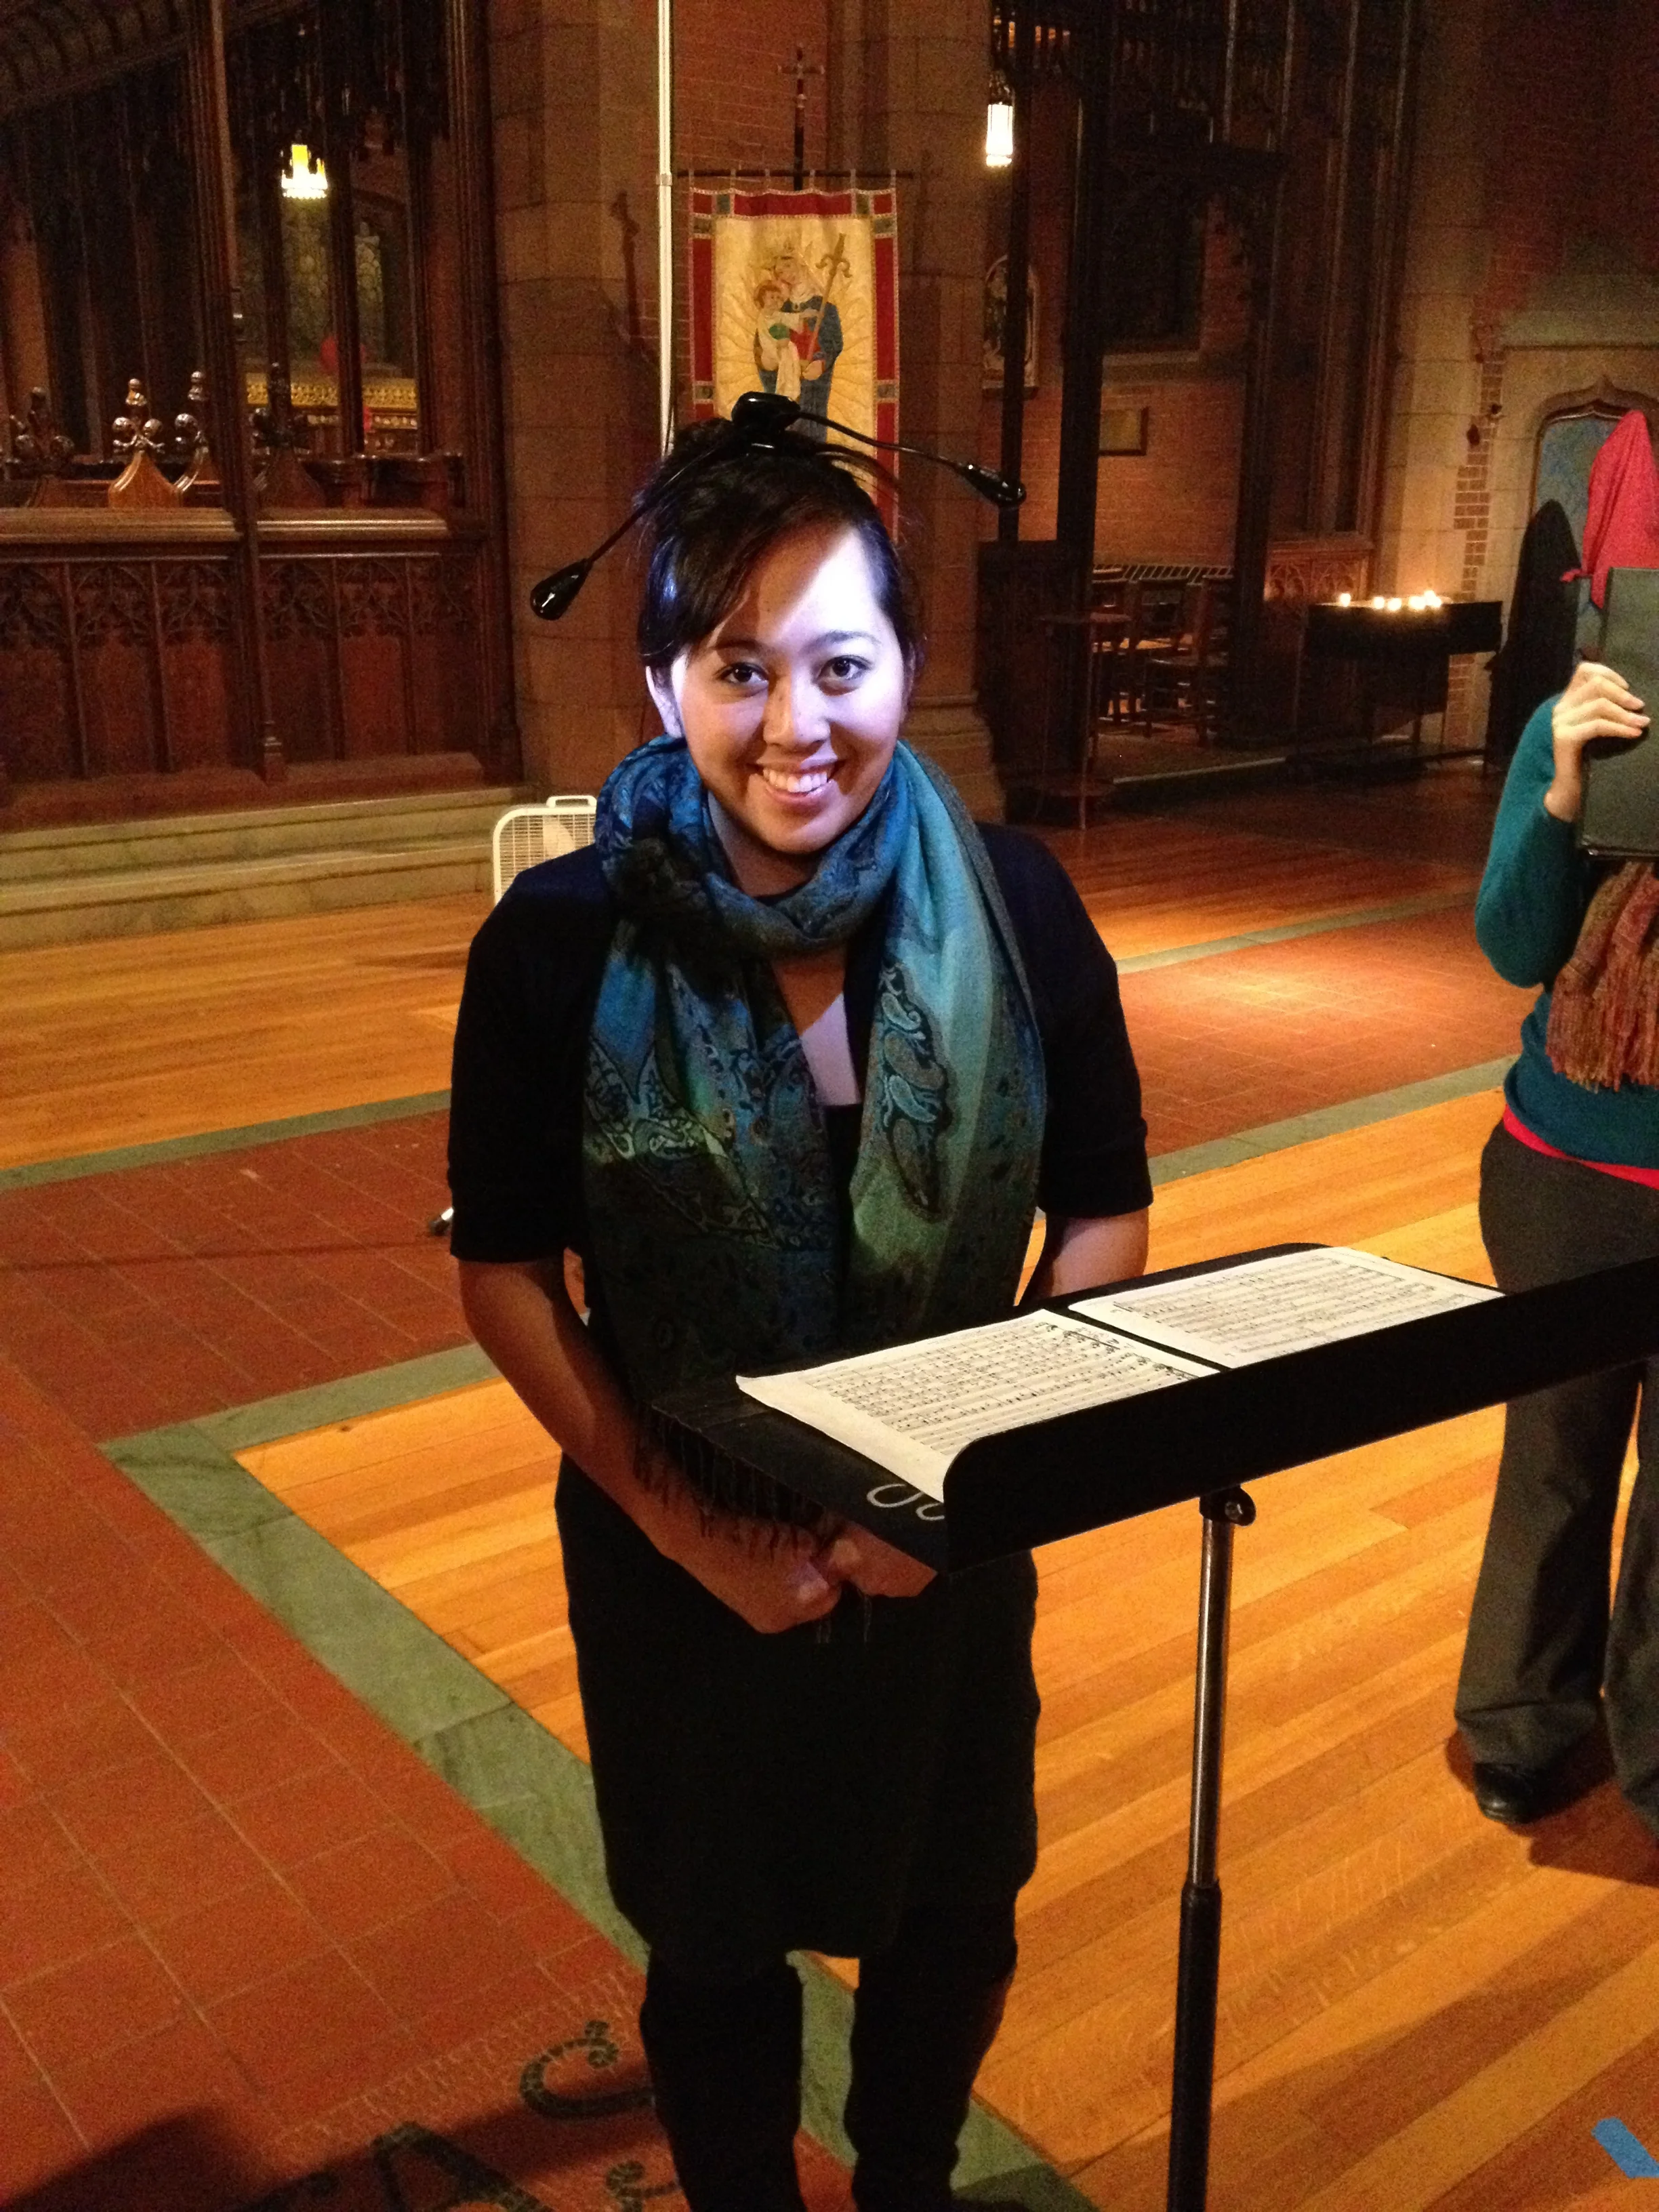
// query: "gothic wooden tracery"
[[319, 429]]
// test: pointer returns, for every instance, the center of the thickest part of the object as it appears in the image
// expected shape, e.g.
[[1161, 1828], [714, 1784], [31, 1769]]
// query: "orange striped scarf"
[[1604, 1015]]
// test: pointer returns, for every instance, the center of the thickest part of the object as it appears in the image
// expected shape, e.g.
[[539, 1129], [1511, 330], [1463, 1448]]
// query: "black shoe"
[[1517, 1795]]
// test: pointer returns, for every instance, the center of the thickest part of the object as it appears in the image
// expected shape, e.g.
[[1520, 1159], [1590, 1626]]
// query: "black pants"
[[1544, 1648], [726, 2067]]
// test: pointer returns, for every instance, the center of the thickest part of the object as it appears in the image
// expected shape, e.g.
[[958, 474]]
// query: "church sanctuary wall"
[[1179, 500], [1053, 132], [573, 95], [251, 514], [734, 82], [1532, 273], [573, 89]]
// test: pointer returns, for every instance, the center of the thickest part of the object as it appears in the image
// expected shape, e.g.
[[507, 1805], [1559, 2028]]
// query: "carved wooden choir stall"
[[251, 499]]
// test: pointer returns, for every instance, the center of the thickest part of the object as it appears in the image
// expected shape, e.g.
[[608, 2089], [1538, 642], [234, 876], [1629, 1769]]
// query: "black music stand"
[[1199, 1439]]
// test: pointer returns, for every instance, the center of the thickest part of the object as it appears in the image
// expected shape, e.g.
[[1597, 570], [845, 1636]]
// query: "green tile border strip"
[[166, 1150], [377, 1391], [1212, 948], [1329, 1120], [515, 1773]]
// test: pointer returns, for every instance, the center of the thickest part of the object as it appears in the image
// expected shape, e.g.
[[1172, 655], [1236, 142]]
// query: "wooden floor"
[[1410, 1993], [151, 1037], [143, 1038]]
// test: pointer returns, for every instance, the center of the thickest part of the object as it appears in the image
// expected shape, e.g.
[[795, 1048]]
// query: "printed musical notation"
[[912, 1409]]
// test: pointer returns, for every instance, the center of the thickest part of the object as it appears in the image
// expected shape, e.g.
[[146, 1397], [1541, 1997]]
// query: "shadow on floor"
[[1597, 1833], [1291, 2139], [195, 2162]]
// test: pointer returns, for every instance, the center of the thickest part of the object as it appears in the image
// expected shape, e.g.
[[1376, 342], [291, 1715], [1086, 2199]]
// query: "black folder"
[[1621, 816], [1056, 1477]]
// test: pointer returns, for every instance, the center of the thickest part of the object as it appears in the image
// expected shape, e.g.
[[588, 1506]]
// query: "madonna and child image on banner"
[[796, 292]]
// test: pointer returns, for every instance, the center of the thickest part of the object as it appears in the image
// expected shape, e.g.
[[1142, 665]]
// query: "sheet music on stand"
[[1290, 1303], [911, 1409]]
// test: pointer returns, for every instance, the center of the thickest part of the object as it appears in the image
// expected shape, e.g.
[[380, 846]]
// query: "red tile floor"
[[161, 1293], [1243, 1038], [247, 1940]]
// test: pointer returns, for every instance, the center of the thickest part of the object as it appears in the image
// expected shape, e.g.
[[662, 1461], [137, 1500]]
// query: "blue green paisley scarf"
[[716, 1227]]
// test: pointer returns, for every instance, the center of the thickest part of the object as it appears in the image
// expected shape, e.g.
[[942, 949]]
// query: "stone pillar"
[[907, 84], [1431, 526], [573, 91]]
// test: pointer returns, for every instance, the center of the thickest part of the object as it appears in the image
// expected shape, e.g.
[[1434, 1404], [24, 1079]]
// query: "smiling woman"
[[791, 707], [788, 1058]]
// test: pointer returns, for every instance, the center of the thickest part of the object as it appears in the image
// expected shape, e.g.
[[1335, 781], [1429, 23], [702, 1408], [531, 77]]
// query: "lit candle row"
[[1419, 602]]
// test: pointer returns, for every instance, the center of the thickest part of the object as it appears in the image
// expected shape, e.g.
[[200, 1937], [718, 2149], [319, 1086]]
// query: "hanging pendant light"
[[999, 124]]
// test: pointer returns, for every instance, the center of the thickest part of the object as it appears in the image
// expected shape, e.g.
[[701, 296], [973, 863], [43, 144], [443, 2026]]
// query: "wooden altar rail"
[[121, 650]]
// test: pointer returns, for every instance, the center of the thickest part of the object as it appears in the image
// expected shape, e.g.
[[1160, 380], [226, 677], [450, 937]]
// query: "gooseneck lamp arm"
[[758, 420]]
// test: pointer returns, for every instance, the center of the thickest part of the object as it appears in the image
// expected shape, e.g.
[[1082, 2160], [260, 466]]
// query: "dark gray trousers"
[[1544, 1647]]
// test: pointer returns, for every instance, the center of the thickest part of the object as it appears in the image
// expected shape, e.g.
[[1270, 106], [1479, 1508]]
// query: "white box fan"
[[526, 836]]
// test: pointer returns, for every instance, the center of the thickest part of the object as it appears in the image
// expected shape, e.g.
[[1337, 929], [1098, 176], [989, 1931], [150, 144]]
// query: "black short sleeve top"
[[532, 981]]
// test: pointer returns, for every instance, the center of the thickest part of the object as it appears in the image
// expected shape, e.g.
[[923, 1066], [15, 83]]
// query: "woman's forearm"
[[1080, 1254], [522, 1316], [524, 1320]]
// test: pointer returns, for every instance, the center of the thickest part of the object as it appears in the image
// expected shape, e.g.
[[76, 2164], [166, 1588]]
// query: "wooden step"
[[128, 878]]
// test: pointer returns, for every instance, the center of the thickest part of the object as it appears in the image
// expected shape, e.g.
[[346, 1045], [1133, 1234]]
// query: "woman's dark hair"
[[717, 505]]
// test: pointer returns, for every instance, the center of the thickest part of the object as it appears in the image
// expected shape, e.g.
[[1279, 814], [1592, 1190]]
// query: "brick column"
[[574, 89], [907, 84]]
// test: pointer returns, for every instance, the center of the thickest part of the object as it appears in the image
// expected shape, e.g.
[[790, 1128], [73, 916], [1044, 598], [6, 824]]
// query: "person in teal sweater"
[[1568, 1183]]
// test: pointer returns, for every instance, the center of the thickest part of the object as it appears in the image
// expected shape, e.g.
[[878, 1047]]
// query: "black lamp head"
[[989, 485], [759, 422], [759, 418], [554, 593]]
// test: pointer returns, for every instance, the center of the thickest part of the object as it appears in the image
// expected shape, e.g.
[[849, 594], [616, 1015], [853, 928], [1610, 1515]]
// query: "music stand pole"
[[1197, 1972]]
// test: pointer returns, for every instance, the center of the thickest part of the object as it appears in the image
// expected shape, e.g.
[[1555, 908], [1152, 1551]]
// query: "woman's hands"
[[771, 1577], [877, 1569], [1596, 703], [776, 1578]]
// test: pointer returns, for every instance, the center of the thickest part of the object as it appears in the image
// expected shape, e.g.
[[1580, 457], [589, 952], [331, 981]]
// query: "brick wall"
[[1629, 134], [734, 89], [1178, 500]]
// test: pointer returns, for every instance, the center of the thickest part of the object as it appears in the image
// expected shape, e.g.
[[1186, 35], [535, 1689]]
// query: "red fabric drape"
[[1622, 528]]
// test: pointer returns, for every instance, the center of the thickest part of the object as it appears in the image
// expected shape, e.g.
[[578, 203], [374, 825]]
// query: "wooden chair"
[[1115, 613], [1156, 627], [1182, 682]]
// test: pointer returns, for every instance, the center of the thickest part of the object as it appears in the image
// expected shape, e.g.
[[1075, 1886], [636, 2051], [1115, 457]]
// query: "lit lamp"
[[999, 124], [305, 177]]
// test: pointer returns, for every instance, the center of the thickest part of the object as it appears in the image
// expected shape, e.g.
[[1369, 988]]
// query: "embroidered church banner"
[[796, 292]]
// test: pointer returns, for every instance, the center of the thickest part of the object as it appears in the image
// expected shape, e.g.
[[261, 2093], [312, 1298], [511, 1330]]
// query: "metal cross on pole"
[[800, 68]]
